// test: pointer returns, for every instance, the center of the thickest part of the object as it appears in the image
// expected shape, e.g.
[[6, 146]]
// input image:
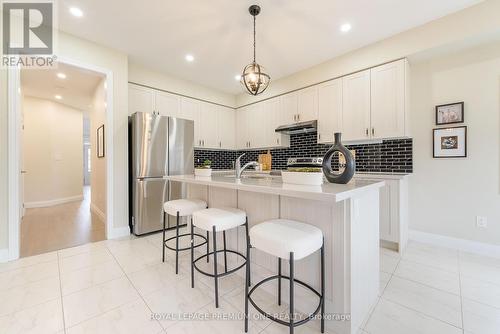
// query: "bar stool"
[[217, 220], [182, 208], [289, 240]]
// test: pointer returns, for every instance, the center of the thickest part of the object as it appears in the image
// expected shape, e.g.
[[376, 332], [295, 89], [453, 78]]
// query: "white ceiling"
[[292, 35], [77, 90]]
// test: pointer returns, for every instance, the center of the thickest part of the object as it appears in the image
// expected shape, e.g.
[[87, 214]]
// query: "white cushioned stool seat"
[[279, 237], [222, 218], [185, 207]]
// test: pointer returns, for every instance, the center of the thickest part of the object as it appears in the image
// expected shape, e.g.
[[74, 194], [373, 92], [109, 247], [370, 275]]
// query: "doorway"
[[60, 110]]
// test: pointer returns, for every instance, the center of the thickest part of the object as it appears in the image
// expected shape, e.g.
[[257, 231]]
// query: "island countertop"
[[273, 185]]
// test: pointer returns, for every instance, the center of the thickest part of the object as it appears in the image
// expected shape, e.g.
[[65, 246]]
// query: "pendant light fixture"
[[254, 77]]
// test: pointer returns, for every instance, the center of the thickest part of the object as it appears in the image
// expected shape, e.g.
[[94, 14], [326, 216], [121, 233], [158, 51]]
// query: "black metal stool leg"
[[163, 243], [247, 277], [279, 281], [208, 247], [323, 287], [192, 254], [215, 270], [247, 228], [292, 316], [225, 253], [177, 246]]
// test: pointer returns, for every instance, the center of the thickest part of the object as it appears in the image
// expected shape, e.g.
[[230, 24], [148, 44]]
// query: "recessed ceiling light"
[[61, 75], [345, 27], [75, 11], [58, 97], [189, 58], [237, 77]]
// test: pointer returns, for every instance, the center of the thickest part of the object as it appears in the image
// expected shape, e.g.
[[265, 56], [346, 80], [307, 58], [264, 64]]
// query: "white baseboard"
[[455, 243], [94, 209], [4, 255], [118, 232], [53, 202]]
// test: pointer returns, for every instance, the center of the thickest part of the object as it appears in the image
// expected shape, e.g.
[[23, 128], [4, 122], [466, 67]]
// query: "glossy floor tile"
[[123, 287]]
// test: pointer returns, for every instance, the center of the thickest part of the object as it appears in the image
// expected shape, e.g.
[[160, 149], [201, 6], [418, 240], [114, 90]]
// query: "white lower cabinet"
[[393, 211]]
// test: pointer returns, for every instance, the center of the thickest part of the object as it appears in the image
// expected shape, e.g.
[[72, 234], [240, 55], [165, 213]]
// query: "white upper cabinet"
[[207, 125], [307, 104], [226, 125], [388, 100], [140, 99], [289, 108], [329, 110], [241, 128], [271, 113], [356, 106], [190, 109], [167, 104]]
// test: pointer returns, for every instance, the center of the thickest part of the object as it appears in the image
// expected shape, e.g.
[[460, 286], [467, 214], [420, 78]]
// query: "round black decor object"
[[350, 165]]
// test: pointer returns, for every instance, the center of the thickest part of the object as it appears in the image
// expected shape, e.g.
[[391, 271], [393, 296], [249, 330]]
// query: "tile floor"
[[114, 286], [60, 226]]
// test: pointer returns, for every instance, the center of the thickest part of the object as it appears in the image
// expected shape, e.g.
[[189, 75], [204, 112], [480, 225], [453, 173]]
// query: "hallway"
[[61, 226]]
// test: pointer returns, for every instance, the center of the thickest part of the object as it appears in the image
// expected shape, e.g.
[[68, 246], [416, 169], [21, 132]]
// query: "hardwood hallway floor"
[[61, 226]]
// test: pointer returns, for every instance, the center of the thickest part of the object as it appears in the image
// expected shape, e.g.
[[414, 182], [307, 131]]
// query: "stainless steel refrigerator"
[[158, 146]]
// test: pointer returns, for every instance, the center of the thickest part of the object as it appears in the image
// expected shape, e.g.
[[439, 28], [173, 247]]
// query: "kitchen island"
[[347, 214]]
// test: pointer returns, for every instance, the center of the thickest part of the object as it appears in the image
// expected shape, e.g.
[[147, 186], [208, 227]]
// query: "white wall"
[[52, 147], [471, 23], [97, 115], [141, 75], [446, 195]]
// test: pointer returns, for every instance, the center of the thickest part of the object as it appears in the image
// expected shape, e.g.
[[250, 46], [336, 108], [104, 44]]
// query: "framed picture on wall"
[[100, 142], [450, 113], [450, 142]]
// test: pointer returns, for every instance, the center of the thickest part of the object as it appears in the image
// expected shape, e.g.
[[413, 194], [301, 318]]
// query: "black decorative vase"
[[350, 165]]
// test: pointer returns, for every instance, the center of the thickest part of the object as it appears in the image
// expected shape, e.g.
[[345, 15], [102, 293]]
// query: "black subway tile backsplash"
[[390, 156]]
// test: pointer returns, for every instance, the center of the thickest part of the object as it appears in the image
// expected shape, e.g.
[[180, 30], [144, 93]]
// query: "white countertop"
[[273, 185]]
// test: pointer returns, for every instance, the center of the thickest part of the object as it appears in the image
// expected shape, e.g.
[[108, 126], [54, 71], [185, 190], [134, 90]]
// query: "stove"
[[314, 162]]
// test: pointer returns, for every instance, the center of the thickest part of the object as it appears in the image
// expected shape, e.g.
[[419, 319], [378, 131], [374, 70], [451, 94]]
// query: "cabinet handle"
[[298, 117], [277, 141], [319, 136], [220, 144], [366, 131], [373, 131]]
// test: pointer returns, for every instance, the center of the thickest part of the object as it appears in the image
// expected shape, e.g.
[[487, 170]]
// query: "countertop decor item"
[[303, 175], [450, 113], [450, 142], [266, 160], [205, 169], [350, 165], [254, 77]]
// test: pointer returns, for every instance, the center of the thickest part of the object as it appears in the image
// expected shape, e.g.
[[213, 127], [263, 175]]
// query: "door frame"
[[14, 158]]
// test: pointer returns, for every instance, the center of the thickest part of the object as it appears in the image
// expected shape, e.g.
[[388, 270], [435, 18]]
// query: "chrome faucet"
[[239, 170]]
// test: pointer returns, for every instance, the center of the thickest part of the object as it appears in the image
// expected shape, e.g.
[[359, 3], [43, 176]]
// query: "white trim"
[[13, 160], [118, 232], [455, 243], [94, 209], [52, 202], [4, 255]]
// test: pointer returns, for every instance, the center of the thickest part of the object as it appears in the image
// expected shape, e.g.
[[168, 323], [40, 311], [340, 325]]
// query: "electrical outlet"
[[481, 222]]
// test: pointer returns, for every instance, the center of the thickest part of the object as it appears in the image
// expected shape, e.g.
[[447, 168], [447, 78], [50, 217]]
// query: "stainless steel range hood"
[[302, 127]]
